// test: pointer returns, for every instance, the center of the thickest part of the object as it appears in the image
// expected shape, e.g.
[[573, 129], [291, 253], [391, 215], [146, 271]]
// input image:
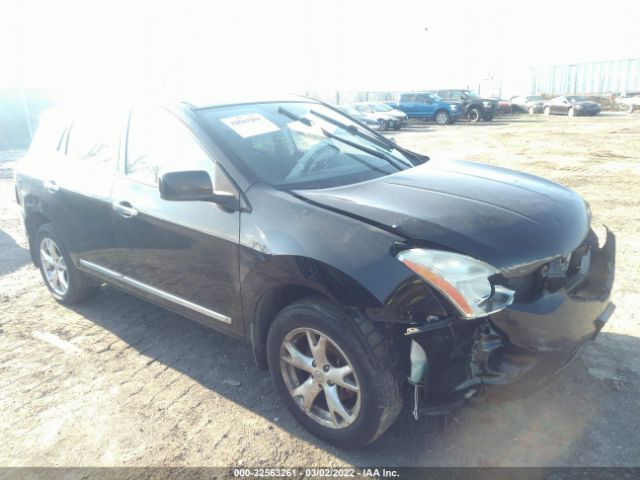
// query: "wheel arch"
[[267, 308], [264, 295], [33, 221], [441, 109]]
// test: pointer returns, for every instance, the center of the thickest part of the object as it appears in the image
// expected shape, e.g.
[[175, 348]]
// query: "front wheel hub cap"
[[329, 394]]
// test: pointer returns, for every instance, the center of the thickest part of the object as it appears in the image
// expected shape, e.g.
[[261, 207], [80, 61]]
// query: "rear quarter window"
[[48, 136]]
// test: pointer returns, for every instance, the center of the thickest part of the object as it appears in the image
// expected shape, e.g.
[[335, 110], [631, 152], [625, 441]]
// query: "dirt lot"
[[120, 382]]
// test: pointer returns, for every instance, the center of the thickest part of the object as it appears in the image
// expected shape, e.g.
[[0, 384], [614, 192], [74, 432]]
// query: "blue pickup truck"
[[427, 106]]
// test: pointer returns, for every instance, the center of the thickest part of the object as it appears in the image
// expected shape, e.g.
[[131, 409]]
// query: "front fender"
[[344, 258]]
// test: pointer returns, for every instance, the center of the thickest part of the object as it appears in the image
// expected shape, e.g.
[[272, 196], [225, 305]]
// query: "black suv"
[[475, 108], [357, 270]]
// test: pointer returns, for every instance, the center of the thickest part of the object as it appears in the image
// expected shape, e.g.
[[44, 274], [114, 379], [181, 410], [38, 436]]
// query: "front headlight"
[[461, 279], [578, 107], [486, 104], [454, 108]]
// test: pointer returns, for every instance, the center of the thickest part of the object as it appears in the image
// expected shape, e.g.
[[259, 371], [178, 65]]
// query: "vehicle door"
[[407, 102], [184, 254], [458, 96], [81, 184], [559, 105], [424, 105]]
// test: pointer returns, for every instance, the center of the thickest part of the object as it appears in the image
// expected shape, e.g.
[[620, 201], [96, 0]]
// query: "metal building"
[[612, 76]]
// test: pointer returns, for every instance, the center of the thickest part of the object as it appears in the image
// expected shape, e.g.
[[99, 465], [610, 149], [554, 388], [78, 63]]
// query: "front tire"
[[628, 109], [547, 111], [474, 115], [571, 112], [337, 374], [65, 282], [531, 110], [382, 125]]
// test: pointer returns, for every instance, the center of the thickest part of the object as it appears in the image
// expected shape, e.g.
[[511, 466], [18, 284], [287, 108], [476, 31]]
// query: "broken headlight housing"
[[463, 280]]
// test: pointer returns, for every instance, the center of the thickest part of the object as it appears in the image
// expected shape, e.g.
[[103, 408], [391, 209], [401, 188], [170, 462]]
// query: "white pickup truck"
[[629, 101]]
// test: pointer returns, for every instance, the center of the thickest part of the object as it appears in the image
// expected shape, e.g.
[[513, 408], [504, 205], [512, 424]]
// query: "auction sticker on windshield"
[[250, 125]]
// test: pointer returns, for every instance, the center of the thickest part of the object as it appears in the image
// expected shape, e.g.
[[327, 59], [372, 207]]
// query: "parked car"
[[475, 108], [386, 120], [571, 105], [504, 105], [629, 101], [384, 108], [361, 273], [530, 104], [427, 106], [367, 120]]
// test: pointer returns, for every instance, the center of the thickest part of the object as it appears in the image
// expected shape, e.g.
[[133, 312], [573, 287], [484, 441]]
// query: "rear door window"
[[93, 140]]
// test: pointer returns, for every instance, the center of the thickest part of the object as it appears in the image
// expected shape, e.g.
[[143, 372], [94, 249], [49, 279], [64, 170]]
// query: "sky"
[[302, 45]]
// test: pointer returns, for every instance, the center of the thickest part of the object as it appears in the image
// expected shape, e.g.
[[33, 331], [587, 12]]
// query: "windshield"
[[435, 96], [535, 99], [290, 145], [351, 111], [469, 94], [379, 107], [361, 107], [577, 99]]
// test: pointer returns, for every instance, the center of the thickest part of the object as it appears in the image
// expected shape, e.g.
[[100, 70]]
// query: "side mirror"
[[195, 185]]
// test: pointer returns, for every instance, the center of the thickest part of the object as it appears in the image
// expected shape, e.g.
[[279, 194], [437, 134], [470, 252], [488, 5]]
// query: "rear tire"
[[531, 110], [65, 282], [442, 117], [547, 111], [382, 125], [295, 337], [474, 115], [628, 109]]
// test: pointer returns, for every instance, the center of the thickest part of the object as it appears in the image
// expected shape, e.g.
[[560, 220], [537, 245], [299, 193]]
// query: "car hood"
[[510, 220], [482, 99]]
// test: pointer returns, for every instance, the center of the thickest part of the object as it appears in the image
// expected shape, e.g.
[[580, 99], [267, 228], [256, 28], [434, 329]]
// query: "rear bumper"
[[528, 344]]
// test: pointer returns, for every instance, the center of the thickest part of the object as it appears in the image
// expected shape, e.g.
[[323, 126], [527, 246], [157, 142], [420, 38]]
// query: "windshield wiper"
[[295, 117], [338, 138], [356, 131], [368, 150]]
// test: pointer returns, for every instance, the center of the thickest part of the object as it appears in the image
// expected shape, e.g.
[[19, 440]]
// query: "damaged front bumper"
[[513, 352]]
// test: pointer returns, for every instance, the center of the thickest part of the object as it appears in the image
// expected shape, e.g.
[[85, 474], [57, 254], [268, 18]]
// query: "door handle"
[[125, 209], [51, 186]]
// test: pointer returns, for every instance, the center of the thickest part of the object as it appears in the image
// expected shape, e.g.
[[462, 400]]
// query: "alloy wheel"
[[54, 266], [441, 118], [320, 378]]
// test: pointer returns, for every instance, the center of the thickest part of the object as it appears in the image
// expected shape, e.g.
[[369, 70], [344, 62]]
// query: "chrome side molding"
[[156, 291]]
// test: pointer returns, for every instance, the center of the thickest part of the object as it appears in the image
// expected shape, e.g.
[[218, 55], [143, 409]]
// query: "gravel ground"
[[118, 382]]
